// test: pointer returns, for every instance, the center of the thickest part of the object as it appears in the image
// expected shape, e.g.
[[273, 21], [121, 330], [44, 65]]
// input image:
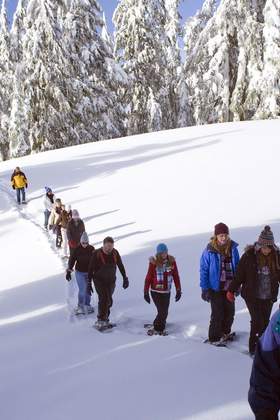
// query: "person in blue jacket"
[[264, 393], [218, 265]]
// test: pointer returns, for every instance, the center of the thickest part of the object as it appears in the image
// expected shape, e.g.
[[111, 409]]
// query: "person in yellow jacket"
[[19, 183]]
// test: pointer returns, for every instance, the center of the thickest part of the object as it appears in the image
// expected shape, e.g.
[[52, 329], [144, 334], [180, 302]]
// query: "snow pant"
[[222, 316], [260, 311], [64, 241], [47, 216], [267, 415], [162, 301], [82, 282], [104, 289], [58, 240], [20, 194]]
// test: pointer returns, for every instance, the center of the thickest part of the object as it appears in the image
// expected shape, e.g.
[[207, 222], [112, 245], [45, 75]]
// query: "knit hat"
[[108, 239], [221, 229], [84, 238], [266, 237], [75, 214], [162, 248], [48, 190]]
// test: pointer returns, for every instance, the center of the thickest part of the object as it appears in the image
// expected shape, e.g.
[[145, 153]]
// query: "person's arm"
[[240, 276], [264, 393], [149, 277], [13, 180], [176, 276], [120, 265], [92, 265], [204, 271], [25, 179], [72, 260]]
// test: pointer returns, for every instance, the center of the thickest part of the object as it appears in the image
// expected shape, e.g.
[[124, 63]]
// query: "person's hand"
[[230, 297], [205, 295], [125, 283], [13, 187], [26, 185], [147, 297], [68, 275], [178, 295]]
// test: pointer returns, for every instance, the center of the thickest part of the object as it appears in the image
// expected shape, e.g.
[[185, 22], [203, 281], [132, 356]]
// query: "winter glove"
[[26, 185], [68, 275], [125, 283], [147, 297], [230, 297], [178, 295], [89, 288], [13, 187], [205, 295]]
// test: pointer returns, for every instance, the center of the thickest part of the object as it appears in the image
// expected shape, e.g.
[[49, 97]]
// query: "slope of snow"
[[169, 186]]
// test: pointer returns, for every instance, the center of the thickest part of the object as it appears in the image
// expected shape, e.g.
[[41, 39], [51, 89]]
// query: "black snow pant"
[[104, 289], [222, 316], [162, 301], [58, 237], [260, 311]]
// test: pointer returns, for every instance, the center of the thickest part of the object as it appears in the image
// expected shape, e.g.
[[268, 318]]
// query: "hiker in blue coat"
[[218, 265], [264, 393]]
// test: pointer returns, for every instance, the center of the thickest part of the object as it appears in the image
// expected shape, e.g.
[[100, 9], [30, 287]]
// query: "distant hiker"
[[80, 259], [54, 216], [258, 274], [162, 272], [75, 229], [218, 265], [264, 393], [48, 203], [19, 183], [61, 224], [102, 271]]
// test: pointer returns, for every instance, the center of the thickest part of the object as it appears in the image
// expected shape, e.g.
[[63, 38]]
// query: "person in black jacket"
[[80, 258], [258, 274], [75, 229], [102, 271]]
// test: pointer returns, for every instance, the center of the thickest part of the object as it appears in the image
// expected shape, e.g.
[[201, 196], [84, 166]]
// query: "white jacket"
[[48, 205]]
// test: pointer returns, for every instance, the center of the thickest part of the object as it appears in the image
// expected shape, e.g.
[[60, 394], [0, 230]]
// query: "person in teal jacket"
[[218, 265]]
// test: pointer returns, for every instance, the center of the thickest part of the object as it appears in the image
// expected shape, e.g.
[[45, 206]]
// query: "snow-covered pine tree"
[[5, 82], [47, 83], [269, 86], [143, 48]]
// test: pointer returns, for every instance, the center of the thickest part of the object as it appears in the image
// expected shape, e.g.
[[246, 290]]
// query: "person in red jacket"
[[161, 273]]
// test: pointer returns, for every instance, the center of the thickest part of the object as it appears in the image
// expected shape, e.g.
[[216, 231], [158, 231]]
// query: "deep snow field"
[[172, 187]]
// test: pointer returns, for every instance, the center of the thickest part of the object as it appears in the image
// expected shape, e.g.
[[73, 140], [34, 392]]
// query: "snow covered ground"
[[170, 186]]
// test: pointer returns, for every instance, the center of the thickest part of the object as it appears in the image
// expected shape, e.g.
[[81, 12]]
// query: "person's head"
[[108, 244], [58, 202], [162, 250], [266, 241], [84, 240], [221, 232], [75, 215], [17, 170], [48, 190]]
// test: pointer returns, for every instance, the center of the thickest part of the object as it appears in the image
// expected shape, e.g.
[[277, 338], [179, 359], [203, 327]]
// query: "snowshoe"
[[228, 337], [148, 326], [104, 326], [89, 309], [152, 331], [79, 311], [218, 343]]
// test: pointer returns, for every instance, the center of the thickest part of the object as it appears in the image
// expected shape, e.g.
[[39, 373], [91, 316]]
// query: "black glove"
[[125, 283], [13, 187], [68, 275], [89, 288], [147, 297], [178, 295], [205, 295], [26, 185]]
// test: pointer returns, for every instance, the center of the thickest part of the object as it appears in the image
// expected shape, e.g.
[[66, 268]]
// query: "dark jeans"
[[20, 194], [47, 215], [260, 311], [161, 300], [222, 316], [104, 289]]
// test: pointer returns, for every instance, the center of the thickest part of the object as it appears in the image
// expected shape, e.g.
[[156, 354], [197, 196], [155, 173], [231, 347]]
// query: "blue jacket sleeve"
[[204, 270], [236, 257], [264, 393]]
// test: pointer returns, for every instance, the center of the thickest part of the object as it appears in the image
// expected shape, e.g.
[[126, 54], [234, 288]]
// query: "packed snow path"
[[169, 186]]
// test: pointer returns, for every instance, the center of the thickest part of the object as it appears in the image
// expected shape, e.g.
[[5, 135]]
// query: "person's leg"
[[217, 317], [87, 295], [58, 237], [265, 312], [47, 215], [82, 288], [102, 293], [111, 285], [229, 312], [253, 309], [64, 241], [18, 195], [23, 194], [161, 300]]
